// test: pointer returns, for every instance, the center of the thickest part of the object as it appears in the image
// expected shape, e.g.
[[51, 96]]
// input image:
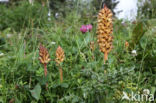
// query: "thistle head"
[[83, 29], [89, 27]]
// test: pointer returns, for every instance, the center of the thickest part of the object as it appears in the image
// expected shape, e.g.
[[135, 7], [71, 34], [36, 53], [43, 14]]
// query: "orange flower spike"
[[60, 58], [104, 31], [126, 44], [59, 55], [44, 57]]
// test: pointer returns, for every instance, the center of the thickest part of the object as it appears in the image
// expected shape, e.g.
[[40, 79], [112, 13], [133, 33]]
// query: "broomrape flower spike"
[[44, 57], [59, 59], [104, 31], [59, 55], [126, 44]]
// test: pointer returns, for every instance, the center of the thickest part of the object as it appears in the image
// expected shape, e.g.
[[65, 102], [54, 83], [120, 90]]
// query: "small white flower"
[[56, 15], [53, 43], [134, 52], [1, 54], [49, 13], [146, 91]]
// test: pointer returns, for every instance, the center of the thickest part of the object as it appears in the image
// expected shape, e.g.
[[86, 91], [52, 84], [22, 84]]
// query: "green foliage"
[[147, 9], [24, 15], [137, 33], [86, 78], [36, 92], [143, 38]]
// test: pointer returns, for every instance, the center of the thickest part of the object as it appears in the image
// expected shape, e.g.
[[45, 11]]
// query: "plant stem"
[[105, 57], [45, 70], [61, 75]]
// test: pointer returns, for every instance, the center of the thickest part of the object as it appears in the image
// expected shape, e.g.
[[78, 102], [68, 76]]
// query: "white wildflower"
[[134, 52], [56, 15], [49, 13], [53, 43]]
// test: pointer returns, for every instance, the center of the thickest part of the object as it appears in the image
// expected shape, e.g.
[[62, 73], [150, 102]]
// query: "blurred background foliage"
[[147, 9], [36, 14]]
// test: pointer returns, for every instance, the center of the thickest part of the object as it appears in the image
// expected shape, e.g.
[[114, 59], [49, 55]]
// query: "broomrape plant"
[[104, 31], [59, 59], [44, 57]]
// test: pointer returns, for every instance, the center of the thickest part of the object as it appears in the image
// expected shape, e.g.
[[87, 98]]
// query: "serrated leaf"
[[36, 92]]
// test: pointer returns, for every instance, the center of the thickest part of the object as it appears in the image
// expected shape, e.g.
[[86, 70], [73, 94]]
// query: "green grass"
[[86, 80]]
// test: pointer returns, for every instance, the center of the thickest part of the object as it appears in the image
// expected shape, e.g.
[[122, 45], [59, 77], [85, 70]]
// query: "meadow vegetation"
[[86, 79]]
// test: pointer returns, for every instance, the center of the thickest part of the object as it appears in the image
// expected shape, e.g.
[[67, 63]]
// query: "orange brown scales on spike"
[[126, 44], [59, 55], [60, 58], [44, 57], [104, 31]]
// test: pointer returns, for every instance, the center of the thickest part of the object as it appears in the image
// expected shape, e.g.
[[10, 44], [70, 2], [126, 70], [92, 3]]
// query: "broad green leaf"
[[36, 92], [138, 32]]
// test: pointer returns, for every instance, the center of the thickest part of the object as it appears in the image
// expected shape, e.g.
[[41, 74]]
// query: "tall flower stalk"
[[59, 59], [104, 31], [44, 58]]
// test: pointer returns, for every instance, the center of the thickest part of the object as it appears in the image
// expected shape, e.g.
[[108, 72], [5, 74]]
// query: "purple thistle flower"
[[89, 27], [83, 29]]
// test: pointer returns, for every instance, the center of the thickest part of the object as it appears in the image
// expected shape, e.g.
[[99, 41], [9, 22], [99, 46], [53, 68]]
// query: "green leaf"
[[138, 32], [153, 89], [75, 99], [65, 85], [36, 92]]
